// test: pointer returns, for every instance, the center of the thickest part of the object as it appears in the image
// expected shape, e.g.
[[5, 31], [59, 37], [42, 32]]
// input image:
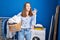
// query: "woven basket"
[[14, 27]]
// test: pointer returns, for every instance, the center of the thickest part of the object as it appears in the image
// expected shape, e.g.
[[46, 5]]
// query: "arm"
[[34, 17], [33, 21]]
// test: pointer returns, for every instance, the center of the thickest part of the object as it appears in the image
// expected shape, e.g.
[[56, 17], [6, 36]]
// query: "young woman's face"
[[28, 7]]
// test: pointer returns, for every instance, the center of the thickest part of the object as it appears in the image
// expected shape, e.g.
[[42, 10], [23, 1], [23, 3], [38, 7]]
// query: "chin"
[[28, 10]]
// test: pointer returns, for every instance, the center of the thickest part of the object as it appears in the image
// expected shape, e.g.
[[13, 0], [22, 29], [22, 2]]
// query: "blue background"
[[58, 2], [46, 8]]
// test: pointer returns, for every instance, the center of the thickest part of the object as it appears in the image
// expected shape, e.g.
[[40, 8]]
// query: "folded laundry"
[[15, 19], [38, 25], [9, 34]]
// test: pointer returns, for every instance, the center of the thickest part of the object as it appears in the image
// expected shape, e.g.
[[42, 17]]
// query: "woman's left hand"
[[34, 11], [32, 28]]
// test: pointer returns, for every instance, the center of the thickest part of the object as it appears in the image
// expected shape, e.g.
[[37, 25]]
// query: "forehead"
[[27, 4]]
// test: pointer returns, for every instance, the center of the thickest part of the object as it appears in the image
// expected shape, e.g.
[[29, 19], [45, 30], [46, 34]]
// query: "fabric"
[[26, 23], [24, 33], [14, 19], [9, 34]]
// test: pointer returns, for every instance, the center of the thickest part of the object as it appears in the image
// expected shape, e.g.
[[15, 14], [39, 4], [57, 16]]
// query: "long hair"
[[24, 11]]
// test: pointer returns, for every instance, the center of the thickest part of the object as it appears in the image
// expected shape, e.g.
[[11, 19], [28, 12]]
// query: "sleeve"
[[33, 20]]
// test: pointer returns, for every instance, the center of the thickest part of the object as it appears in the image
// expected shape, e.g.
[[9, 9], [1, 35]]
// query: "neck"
[[27, 12]]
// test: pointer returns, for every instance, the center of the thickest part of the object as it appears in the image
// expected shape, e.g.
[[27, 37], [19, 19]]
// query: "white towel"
[[14, 19], [9, 34]]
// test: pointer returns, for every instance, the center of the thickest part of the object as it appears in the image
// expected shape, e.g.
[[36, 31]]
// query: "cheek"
[[27, 8]]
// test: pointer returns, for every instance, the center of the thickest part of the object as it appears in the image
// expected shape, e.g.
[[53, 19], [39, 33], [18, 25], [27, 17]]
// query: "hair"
[[24, 11]]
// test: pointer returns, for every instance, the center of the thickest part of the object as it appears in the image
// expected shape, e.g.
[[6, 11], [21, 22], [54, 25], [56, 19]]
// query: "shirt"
[[28, 22]]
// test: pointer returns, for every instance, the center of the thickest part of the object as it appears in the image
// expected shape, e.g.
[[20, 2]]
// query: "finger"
[[35, 9]]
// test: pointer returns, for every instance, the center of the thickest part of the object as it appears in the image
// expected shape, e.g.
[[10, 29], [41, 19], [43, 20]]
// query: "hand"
[[32, 27], [34, 11]]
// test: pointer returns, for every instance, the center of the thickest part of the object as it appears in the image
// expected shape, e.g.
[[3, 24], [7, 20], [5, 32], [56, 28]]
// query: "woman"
[[27, 22]]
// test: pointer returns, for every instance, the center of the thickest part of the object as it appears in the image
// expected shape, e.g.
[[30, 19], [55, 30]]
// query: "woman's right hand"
[[34, 11]]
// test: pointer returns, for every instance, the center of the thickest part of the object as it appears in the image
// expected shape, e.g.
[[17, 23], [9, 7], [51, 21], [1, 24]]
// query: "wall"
[[58, 2], [46, 8]]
